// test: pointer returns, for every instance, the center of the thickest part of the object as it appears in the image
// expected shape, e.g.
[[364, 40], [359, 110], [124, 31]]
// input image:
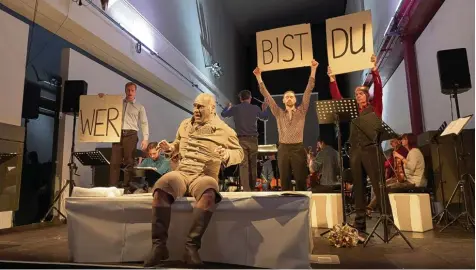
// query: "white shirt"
[[133, 114], [415, 168]]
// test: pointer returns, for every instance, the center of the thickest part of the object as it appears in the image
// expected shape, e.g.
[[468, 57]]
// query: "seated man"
[[155, 160], [413, 167], [324, 169], [204, 143], [269, 173]]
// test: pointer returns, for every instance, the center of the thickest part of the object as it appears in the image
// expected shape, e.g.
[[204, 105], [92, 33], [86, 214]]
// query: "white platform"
[[258, 229], [411, 211], [326, 210]]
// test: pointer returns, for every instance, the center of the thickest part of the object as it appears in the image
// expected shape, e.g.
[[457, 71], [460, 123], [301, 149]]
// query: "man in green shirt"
[[156, 160]]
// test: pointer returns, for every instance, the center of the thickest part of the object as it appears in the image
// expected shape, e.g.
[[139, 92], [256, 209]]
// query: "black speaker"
[[454, 71], [31, 101], [71, 93]]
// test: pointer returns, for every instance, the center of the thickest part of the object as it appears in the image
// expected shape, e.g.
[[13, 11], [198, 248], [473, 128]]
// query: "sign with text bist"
[[350, 42], [285, 47], [100, 118]]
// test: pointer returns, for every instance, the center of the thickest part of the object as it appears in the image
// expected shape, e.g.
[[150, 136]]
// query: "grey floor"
[[453, 248]]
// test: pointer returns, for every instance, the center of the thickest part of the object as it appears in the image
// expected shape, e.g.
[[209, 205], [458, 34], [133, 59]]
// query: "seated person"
[[389, 164], [324, 169], [268, 173], [156, 160], [413, 168]]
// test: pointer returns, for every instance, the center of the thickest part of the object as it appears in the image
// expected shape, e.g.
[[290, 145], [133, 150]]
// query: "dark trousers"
[[123, 153], [248, 167], [292, 159], [366, 158]]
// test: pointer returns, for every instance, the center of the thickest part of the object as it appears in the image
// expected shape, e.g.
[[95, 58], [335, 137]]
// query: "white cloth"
[[258, 229], [97, 192], [415, 168]]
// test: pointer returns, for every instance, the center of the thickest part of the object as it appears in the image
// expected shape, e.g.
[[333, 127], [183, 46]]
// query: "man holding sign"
[[291, 153], [363, 153], [133, 116]]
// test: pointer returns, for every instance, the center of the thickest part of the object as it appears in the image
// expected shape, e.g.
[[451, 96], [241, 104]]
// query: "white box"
[[258, 229], [411, 211], [326, 210]]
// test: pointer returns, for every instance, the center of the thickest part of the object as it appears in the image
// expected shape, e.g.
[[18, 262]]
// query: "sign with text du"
[[100, 118], [285, 47], [350, 42]]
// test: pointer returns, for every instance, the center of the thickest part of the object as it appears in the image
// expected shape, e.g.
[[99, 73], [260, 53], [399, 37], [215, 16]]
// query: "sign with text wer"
[[285, 47], [100, 118], [350, 42]]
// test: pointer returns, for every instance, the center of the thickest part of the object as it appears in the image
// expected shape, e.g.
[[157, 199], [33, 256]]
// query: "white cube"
[[326, 210], [411, 211]]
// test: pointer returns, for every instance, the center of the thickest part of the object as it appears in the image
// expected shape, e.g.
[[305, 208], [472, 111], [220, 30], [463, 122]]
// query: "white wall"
[[452, 27], [396, 110], [382, 13], [164, 117], [13, 44]]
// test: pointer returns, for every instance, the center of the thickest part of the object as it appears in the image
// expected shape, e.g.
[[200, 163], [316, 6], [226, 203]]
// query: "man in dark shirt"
[[245, 116], [326, 166]]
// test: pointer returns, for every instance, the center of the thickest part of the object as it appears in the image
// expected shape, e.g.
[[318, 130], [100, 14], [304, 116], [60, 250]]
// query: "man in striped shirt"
[[291, 153]]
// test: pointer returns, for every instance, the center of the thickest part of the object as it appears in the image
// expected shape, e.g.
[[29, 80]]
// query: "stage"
[[452, 249]]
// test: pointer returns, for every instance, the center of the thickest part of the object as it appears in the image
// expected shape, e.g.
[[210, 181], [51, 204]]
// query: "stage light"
[[215, 69]]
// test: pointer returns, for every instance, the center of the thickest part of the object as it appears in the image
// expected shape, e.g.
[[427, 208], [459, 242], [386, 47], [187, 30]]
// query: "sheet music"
[[146, 168], [456, 126]]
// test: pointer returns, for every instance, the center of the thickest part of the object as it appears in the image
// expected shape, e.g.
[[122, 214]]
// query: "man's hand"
[[229, 105], [164, 145], [101, 95], [331, 75], [223, 153], [257, 72], [373, 60], [143, 145], [314, 64], [264, 106]]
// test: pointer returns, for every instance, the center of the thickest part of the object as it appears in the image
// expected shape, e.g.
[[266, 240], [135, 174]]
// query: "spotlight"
[[215, 69]]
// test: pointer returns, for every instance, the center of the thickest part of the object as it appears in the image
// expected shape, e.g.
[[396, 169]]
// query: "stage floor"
[[454, 248]]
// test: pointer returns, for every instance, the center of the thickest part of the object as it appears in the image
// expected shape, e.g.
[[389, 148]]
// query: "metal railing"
[[140, 44]]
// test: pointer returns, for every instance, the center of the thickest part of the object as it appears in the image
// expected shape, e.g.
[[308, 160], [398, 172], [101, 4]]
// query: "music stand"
[[91, 158], [336, 112], [378, 131], [453, 131]]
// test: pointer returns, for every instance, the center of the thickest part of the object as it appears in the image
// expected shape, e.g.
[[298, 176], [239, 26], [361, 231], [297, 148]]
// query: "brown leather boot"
[[201, 218], [160, 227]]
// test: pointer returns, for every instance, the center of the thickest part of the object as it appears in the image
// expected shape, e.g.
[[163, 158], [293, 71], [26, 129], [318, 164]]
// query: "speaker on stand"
[[71, 93], [30, 108], [455, 79]]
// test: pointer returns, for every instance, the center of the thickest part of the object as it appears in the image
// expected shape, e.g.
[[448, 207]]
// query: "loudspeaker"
[[71, 93], [31, 101], [454, 71]]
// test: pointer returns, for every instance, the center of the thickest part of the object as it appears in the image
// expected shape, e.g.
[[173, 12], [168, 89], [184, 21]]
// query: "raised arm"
[[263, 114], [267, 96], [334, 88], [377, 102], [228, 111], [310, 85]]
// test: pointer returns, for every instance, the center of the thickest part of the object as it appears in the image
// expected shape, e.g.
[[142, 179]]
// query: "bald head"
[[204, 107]]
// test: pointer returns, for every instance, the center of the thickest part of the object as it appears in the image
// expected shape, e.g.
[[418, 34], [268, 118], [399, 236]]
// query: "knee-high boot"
[[201, 218], [160, 227]]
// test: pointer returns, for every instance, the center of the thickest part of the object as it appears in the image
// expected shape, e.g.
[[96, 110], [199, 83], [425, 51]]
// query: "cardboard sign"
[[100, 119], [350, 42], [286, 47]]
